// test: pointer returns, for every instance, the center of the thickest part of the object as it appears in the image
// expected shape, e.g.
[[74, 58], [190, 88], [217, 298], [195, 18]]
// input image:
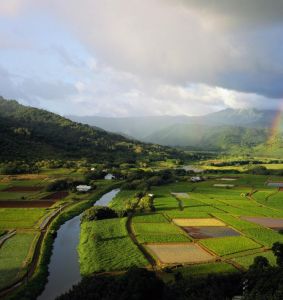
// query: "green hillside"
[[31, 133], [142, 127], [222, 138]]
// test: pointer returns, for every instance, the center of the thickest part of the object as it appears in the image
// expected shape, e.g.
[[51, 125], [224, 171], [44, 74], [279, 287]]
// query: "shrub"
[[98, 213]]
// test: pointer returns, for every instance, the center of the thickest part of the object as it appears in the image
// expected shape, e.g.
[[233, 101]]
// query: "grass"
[[236, 222], [20, 217], [248, 260], [265, 236], [157, 228], [2, 232], [150, 218], [229, 245], [186, 213], [275, 200], [13, 255], [106, 246], [165, 203], [15, 195], [162, 238], [204, 269], [159, 233]]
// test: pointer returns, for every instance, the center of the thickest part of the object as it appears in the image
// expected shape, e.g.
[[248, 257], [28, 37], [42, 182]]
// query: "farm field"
[[199, 270], [26, 207], [179, 253], [14, 257], [248, 260], [219, 220], [105, 246], [210, 232], [202, 227]]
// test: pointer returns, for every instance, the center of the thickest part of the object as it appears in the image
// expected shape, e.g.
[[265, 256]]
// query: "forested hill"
[[31, 133]]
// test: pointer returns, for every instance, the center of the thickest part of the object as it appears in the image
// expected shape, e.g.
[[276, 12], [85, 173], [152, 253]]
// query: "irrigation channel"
[[64, 269]]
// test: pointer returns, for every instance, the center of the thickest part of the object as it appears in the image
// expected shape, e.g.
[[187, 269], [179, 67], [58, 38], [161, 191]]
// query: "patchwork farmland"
[[27, 208], [206, 224], [195, 228]]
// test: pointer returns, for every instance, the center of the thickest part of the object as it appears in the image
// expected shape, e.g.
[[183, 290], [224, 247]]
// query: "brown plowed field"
[[180, 253], [23, 189], [25, 204], [198, 222], [210, 232], [56, 196], [267, 222]]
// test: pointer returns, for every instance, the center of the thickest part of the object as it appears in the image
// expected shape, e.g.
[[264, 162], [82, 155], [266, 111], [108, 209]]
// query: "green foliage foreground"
[[140, 284]]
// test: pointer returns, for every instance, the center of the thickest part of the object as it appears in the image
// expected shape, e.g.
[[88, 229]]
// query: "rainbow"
[[275, 128]]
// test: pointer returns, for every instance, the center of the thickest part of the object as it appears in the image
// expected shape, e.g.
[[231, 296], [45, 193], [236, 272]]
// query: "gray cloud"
[[185, 41], [165, 56], [241, 12]]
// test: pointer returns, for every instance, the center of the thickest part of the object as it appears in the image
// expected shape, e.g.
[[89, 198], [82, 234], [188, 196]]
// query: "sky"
[[137, 58]]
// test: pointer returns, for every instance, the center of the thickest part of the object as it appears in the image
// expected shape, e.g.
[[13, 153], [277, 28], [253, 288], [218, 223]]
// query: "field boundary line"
[[35, 258], [135, 241], [7, 236]]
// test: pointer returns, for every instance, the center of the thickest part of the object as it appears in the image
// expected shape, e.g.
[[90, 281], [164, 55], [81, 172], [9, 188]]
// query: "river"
[[64, 268]]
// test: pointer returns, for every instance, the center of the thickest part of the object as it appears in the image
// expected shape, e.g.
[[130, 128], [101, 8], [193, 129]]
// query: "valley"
[[71, 212]]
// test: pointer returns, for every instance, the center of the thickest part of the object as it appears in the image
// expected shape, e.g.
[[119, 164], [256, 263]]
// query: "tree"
[[260, 263], [277, 249], [98, 213]]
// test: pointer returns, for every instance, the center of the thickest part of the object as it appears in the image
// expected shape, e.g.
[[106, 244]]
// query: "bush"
[[58, 185], [14, 168], [98, 213], [146, 203], [63, 184], [135, 284]]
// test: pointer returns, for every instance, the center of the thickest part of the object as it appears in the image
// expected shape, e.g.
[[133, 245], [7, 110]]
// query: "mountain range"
[[224, 130], [32, 133], [29, 133]]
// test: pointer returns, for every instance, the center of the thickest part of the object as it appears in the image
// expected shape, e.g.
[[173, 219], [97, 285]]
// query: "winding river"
[[64, 269]]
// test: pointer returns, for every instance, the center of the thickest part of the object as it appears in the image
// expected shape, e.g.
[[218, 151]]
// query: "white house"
[[83, 188], [109, 176], [196, 179]]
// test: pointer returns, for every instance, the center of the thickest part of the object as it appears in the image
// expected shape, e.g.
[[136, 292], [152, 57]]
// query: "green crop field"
[[248, 260], [14, 195], [13, 257], [11, 218], [204, 269], [235, 222], [150, 218], [186, 213], [159, 233], [157, 228], [229, 245], [162, 238], [266, 237], [105, 246]]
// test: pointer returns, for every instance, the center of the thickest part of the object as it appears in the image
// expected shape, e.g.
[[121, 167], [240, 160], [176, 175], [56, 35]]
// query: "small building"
[[83, 188], [109, 176], [196, 179]]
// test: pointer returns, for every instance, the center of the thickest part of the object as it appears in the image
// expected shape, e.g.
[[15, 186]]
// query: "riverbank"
[[32, 285]]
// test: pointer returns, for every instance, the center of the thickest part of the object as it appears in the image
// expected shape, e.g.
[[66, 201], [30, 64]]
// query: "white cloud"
[[162, 56], [183, 41]]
